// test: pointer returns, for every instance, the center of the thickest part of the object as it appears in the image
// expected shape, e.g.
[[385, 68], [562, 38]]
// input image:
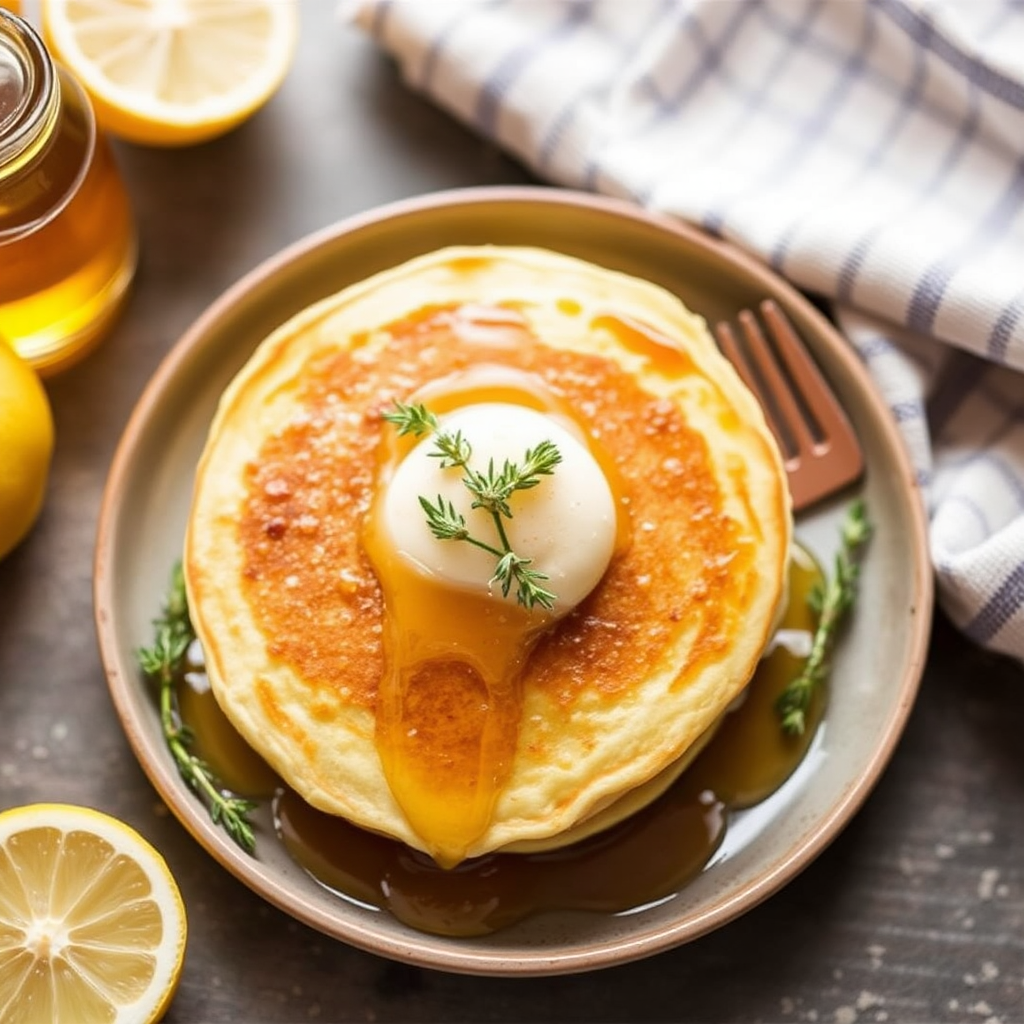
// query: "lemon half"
[[173, 72], [92, 925]]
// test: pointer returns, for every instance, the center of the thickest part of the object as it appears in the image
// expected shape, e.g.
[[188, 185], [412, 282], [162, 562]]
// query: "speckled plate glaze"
[[878, 663]]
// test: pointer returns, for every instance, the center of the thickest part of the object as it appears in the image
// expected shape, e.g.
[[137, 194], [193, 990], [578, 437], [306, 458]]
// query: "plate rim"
[[163, 776]]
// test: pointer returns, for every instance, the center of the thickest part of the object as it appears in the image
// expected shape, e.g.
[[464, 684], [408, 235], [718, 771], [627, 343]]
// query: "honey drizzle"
[[311, 487], [641, 861], [449, 702], [659, 351], [598, 873]]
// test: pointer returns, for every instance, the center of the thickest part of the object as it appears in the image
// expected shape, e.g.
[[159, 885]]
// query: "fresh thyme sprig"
[[412, 419], [491, 492], [162, 664], [831, 602]]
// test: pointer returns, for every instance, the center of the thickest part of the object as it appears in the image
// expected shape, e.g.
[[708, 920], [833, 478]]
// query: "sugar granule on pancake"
[[297, 615]]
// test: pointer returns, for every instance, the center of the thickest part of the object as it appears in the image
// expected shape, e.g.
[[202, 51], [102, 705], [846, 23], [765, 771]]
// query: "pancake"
[[305, 615]]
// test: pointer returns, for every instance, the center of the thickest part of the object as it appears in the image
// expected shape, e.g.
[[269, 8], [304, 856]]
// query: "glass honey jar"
[[67, 234]]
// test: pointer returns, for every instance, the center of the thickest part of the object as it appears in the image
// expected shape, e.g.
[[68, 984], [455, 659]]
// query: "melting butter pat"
[[566, 524]]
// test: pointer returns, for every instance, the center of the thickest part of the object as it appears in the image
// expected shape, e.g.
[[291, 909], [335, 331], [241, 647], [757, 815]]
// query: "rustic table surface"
[[916, 912]]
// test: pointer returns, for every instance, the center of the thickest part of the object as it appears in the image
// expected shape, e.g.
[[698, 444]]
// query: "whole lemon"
[[26, 446]]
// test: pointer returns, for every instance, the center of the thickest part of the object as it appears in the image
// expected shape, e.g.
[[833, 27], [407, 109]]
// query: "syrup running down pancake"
[[379, 669]]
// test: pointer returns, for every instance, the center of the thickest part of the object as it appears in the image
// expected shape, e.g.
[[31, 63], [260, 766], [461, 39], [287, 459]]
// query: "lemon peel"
[[92, 924], [26, 441], [173, 72]]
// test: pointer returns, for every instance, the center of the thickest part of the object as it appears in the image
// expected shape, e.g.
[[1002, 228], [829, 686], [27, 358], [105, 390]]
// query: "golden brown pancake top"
[[295, 622], [311, 486]]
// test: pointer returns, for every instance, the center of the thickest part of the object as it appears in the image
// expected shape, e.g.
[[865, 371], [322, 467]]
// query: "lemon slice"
[[173, 72], [92, 926]]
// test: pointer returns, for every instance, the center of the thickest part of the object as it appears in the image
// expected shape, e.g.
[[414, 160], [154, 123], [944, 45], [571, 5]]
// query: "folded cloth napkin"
[[871, 151]]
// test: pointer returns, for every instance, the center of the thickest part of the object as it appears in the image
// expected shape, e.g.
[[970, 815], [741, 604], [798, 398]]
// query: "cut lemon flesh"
[[92, 925], [173, 72]]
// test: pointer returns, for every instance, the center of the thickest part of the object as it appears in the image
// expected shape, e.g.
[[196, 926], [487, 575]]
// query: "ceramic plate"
[[877, 666]]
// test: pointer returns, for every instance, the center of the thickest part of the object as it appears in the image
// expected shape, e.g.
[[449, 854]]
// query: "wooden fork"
[[819, 447]]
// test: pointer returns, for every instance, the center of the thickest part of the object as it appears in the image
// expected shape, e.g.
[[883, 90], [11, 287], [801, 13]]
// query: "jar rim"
[[34, 110]]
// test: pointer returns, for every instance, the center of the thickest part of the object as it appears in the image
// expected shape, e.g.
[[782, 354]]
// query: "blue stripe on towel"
[[904, 412], [795, 35], [1002, 332], [1002, 606], [566, 116], [810, 129], [874, 347], [906, 105], [439, 43], [923, 31], [962, 139], [708, 62], [495, 88], [931, 288]]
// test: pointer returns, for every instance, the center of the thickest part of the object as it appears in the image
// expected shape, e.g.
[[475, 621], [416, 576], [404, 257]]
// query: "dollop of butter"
[[566, 524]]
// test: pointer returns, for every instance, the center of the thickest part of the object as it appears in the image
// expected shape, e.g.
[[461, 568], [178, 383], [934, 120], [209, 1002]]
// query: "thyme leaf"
[[491, 490], [411, 419], [831, 600], [162, 663]]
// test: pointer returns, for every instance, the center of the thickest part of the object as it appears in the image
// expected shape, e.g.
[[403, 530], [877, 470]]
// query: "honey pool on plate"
[[643, 860]]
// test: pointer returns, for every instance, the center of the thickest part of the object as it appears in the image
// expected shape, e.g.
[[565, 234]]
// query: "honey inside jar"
[[67, 235]]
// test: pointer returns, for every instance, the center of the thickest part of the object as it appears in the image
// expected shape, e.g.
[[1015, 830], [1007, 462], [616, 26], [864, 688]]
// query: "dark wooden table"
[[916, 913]]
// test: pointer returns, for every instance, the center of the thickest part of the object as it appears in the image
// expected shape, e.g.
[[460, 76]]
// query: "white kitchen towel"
[[871, 151]]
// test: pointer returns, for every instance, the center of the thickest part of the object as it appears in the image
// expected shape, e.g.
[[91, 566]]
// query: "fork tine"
[[793, 419], [819, 448], [734, 352], [837, 435]]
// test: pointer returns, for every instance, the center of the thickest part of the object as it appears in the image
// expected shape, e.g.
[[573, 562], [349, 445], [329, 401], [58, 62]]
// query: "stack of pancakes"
[[614, 697]]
